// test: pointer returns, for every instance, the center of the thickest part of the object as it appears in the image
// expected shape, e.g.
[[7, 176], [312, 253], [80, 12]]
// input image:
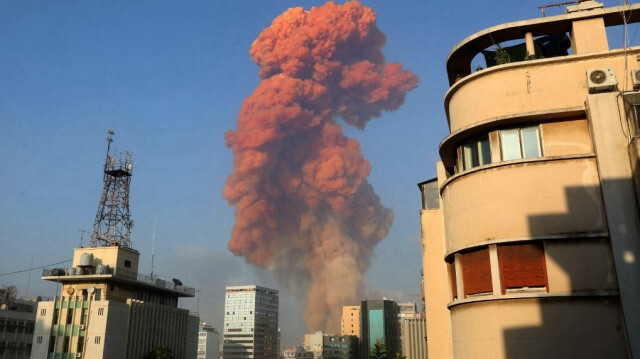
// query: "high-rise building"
[[413, 336], [379, 322], [106, 309], [208, 342], [531, 231], [17, 323], [251, 323], [412, 328], [350, 323]]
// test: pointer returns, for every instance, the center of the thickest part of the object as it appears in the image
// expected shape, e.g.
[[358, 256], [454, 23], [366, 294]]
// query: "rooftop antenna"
[[153, 246], [82, 232], [112, 225]]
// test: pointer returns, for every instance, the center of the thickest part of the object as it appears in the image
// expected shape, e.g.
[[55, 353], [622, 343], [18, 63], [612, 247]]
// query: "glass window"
[[510, 143], [476, 152], [376, 325], [517, 143]]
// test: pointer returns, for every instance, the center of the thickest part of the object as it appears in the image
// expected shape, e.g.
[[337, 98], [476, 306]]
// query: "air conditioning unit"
[[635, 79], [601, 79], [81, 326], [78, 355]]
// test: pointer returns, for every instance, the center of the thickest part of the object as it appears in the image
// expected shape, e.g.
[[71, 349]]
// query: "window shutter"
[[476, 272], [522, 265]]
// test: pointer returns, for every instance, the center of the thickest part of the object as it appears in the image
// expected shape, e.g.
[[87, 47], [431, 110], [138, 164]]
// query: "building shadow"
[[590, 306]]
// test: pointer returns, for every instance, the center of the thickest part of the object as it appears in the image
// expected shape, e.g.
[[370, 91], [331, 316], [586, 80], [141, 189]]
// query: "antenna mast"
[[112, 226]]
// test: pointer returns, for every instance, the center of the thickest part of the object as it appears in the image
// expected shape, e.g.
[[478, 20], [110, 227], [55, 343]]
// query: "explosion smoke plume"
[[304, 207]]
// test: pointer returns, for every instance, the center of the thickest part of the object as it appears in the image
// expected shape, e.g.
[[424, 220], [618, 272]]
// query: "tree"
[[399, 356], [378, 351]]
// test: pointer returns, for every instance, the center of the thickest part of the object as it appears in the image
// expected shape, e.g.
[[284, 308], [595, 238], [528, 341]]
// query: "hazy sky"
[[169, 78]]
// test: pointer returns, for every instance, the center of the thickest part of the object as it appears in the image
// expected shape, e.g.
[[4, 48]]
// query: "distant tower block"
[[113, 223]]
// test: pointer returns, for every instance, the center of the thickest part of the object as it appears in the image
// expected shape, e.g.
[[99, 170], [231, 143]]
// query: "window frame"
[[477, 276], [521, 142], [529, 285], [476, 154]]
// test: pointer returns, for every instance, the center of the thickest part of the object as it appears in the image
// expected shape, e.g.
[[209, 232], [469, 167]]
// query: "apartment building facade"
[[530, 232]]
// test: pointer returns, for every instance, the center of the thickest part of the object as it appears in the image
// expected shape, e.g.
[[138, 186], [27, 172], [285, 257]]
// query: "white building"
[[107, 310], [208, 342], [251, 323]]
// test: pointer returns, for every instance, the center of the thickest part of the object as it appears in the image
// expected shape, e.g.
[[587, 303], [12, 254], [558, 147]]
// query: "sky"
[[169, 78]]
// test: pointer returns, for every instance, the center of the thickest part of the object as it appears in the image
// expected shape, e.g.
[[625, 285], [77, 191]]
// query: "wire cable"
[[26, 270]]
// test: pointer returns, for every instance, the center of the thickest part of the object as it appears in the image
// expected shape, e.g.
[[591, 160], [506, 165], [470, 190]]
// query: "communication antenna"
[[153, 246], [82, 232], [112, 226]]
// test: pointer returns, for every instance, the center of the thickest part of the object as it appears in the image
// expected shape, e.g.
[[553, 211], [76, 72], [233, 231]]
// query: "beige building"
[[413, 336], [531, 233], [350, 323], [107, 310]]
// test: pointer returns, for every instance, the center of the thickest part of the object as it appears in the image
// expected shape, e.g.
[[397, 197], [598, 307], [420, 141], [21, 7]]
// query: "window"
[[52, 344], [65, 347], [451, 268], [476, 152], [522, 266], [517, 143], [56, 313], [127, 263], [69, 316], [80, 346], [96, 340], [98, 294], [476, 272], [43, 312], [39, 339], [100, 311]]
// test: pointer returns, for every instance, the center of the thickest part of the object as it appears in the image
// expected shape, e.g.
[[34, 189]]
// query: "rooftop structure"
[[106, 309]]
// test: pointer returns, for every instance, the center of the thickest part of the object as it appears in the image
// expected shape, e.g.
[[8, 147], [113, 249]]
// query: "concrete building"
[[298, 352], [208, 342], [313, 343], [413, 331], [17, 323], [350, 323], [251, 323], [413, 336], [379, 321], [530, 233], [325, 346], [106, 309]]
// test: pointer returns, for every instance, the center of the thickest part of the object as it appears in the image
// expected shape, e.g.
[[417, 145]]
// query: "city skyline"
[[169, 80]]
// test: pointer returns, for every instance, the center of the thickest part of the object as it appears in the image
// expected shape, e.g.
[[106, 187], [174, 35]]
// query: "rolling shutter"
[[476, 272], [522, 265]]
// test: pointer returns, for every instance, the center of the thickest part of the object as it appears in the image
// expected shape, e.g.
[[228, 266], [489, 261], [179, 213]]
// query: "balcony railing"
[[120, 273]]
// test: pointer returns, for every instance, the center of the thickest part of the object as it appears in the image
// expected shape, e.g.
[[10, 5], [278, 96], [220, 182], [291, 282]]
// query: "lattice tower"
[[113, 222]]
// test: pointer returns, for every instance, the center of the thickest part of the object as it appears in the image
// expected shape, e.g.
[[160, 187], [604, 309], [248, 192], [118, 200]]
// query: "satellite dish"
[[91, 290], [177, 282], [70, 290]]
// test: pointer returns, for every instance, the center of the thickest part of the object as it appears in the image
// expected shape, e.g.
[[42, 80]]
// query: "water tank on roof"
[[70, 271], [78, 270], [100, 269], [86, 259]]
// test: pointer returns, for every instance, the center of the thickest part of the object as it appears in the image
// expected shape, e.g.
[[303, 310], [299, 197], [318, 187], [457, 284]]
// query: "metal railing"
[[121, 273]]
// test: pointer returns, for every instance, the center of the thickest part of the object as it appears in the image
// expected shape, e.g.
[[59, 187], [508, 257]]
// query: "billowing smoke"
[[304, 207]]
